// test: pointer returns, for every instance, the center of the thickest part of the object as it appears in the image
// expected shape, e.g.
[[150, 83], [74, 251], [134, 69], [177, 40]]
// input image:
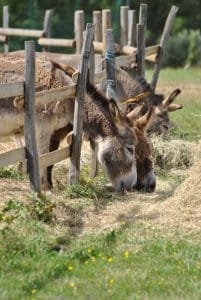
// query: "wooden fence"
[[32, 99]]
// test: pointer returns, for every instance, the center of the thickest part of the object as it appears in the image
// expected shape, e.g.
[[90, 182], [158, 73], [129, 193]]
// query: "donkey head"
[[146, 180], [161, 122], [115, 149]]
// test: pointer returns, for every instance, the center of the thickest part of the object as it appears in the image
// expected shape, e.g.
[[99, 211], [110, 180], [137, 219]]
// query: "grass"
[[132, 262], [42, 257]]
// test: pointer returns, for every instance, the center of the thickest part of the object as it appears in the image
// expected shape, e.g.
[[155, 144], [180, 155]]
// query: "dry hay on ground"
[[184, 207], [169, 206], [174, 153]]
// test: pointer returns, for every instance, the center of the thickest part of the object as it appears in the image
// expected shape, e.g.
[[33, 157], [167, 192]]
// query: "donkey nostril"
[[152, 187]]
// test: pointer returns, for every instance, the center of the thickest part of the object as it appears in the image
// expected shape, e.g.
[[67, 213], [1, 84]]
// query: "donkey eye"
[[130, 150]]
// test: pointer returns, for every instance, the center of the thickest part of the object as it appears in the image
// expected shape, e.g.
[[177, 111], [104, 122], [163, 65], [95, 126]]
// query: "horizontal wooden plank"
[[152, 58], [56, 42], [99, 77], [2, 38], [54, 157], [125, 60], [129, 50], [12, 156], [48, 96], [58, 94], [98, 46], [21, 32], [11, 89], [151, 50]]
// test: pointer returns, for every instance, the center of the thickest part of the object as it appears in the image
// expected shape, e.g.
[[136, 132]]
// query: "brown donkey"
[[146, 180]]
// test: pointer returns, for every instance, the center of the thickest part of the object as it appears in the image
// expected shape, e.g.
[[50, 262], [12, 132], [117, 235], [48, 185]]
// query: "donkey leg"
[[55, 140]]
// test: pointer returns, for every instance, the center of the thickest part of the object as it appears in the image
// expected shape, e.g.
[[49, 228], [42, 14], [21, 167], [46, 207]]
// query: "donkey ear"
[[174, 107], [167, 101], [133, 114], [143, 122], [114, 110]]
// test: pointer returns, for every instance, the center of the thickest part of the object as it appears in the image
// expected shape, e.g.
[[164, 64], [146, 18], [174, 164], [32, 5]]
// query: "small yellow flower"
[[70, 268], [111, 281], [72, 284], [89, 250], [33, 291], [93, 258], [126, 254], [86, 262], [110, 259]]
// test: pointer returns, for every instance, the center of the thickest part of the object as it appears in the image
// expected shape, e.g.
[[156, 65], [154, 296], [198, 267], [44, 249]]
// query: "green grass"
[[133, 262], [177, 76]]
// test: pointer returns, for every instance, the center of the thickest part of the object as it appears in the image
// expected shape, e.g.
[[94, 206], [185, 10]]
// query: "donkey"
[[108, 129], [146, 179], [135, 91]]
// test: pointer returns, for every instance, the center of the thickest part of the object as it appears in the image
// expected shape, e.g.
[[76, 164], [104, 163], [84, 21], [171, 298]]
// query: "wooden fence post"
[[106, 24], [47, 24], [143, 15], [110, 64], [79, 104], [163, 43], [124, 25], [78, 29], [97, 21], [132, 28], [6, 25], [29, 109], [140, 50]]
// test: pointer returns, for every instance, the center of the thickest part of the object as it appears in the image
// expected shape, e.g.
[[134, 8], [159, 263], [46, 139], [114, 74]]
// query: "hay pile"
[[184, 207], [176, 154]]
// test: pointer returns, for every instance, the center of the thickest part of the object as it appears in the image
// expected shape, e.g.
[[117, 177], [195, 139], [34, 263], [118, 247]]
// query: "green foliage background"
[[30, 14]]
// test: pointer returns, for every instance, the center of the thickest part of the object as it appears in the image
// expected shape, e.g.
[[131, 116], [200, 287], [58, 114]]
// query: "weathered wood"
[[12, 156], [124, 25], [29, 128], [163, 43], [78, 29], [79, 104], [52, 42], [54, 157], [21, 32], [6, 25], [47, 22], [110, 64], [132, 28], [143, 14], [2, 38], [97, 21], [125, 60], [47, 25], [140, 50], [106, 24], [11, 89], [129, 50]]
